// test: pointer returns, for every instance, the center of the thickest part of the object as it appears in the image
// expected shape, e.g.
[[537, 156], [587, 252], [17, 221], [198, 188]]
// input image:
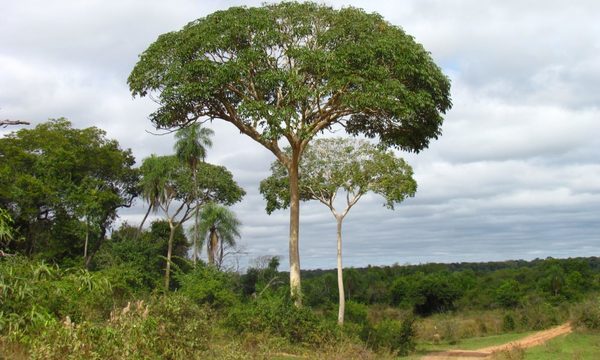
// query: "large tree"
[[167, 184], [344, 166], [55, 179], [288, 71]]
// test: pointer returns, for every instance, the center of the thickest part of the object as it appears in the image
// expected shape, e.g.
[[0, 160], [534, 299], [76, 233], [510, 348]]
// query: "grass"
[[576, 346]]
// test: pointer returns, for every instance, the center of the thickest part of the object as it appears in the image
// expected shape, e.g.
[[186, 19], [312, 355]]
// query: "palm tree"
[[190, 148], [220, 227], [152, 191]]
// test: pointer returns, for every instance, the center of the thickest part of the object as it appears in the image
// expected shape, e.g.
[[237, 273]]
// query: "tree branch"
[[5, 123]]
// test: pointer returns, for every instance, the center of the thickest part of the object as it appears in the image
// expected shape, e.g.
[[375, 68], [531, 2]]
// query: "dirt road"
[[485, 353]]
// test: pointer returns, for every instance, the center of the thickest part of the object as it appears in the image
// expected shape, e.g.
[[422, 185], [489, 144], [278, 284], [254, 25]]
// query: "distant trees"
[[167, 184], [62, 187], [289, 71], [347, 166]]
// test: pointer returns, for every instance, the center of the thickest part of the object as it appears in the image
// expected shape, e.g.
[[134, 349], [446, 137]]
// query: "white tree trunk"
[[342, 298]]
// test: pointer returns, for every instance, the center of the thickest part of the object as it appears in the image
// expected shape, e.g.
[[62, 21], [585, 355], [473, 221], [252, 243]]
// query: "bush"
[[393, 335], [356, 312], [508, 322], [535, 314], [587, 315], [508, 294], [207, 285], [34, 293], [277, 315], [169, 327]]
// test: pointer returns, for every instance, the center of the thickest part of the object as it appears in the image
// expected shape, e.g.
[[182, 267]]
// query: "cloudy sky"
[[516, 174]]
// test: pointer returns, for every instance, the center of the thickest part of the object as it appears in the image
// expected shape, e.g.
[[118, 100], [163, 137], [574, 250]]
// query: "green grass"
[[580, 346]]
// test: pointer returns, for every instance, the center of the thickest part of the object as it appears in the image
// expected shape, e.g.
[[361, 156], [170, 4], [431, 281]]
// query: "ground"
[[487, 352]]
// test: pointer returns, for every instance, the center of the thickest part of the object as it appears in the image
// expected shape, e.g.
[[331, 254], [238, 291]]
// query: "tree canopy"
[[333, 165], [296, 68], [220, 226], [54, 176]]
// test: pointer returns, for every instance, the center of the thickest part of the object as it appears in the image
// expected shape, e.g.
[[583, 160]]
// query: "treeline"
[[432, 288]]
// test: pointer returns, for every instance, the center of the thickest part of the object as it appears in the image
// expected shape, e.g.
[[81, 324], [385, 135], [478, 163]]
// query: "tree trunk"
[[94, 249], [342, 302], [213, 241], [196, 212], [196, 219], [87, 238], [295, 285], [169, 253], [220, 262], [139, 231]]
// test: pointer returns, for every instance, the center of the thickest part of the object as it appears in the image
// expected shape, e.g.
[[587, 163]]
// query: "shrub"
[[535, 314], [33, 293], [207, 285], [508, 294], [278, 316], [587, 315], [356, 312], [394, 335], [508, 322], [169, 327]]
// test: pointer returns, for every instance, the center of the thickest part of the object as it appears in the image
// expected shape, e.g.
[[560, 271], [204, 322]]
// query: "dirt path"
[[486, 353]]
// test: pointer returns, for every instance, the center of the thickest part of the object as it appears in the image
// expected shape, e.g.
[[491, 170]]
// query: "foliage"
[[207, 285], [190, 148], [509, 294], [165, 328], [191, 144], [34, 294], [142, 254], [356, 312], [398, 336], [261, 277], [331, 165], [296, 68], [277, 315], [167, 184], [432, 288], [55, 179], [6, 231], [587, 315], [220, 227]]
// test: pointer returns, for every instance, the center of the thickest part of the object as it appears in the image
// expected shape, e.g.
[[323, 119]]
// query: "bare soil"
[[487, 352]]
